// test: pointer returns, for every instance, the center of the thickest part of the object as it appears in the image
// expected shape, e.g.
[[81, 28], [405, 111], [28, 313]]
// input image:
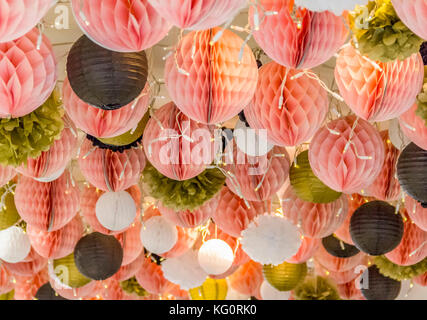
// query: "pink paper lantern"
[[88, 290], [168, 147], [198, 14], [48, 206], [6, 284], [316, 220], [413, 14], [120, 25], [28, 74], [212, 85], [295, 37], [414, 127], [128, 271], [349, 291], [304, 108], [112, 290], [247, 279], [32, 265], [17, 17], [150, 277], [131, 243], [344, 158], [336, 264], [26, 287], [186, 240], [7, 173], [338, 277], [421, 280], [103, 123], [416, 212], [377, 91], [307, 249], [109, 170]]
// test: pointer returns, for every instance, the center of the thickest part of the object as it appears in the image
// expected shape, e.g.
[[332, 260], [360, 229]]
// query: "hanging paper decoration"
[[130, 241], [335, 6], [412, 15], [286, 276], [397, 137], [14, 245], [336, 264], [7, 173], [129, 270], [414, 127], [416, 212], [92, 74], [256, 178], [215, 256], [315, 220], [46, 292], [98, 256], [316, 288], [377, 91], [186, 240], [65, 275], [307, 249], [210, 290], [411, 174], [252, 142], [349, 291], [268, 292], [247, 280], [31, 265], [338, 277], [75, 293], [8, 213], [216, 82], [120, 25], [150, 277], [398, 272], [375, 286], [294, 37], [26, 287], [158, 235], [376, 228], [290, 107], [109, 170], [347, 154], [338, 248], [421, 280], [6, 284], [421, 102], [183, 195]]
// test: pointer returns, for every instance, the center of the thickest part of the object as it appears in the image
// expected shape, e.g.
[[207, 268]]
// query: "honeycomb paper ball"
[[30, 266], [14, 245], [150, 277], [130, 240], [412, 15], [215, 256], [416, 212], [247, 280], [307, 249], [413, 127], [252, 142], [159, 235], [7, 173], [129, 270], [286, 276], [335, 264]]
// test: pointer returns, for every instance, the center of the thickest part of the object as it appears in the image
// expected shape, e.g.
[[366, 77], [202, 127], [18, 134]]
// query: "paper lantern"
[[232, 214], [285, 276], [316, 288], [414, 127], [6, 284], [130, 240], [256, 178], [215, 256], [51, 205], [210, 290], [184, 270], [46, 292], [294, 37], [412, 15], [306, 185], [8, 214], [27, 287], [31, 265], [167, 144], [133, 26], [271, 240], [410, 173], [92, 73], [316, 220], [14, 244], [345, 155], [307, 249], [53, 161], [186, 240], [248, 279], [397, 137], [129, 270], [56, 244], [268, 292], [349, 291], [65, 274], [416, 212], [335, 6], [22, 89], [159, 235], [291, 110], [116, 210], [377, 91], [252, 142], [7, 173], [198, 15], [376, 228], [109, 170], [378, 287], [150, 277], [215, 83], [338, 248], [76, 293], [338, 277], [336, 264], [98, 256], [421, 280], [104, 123]]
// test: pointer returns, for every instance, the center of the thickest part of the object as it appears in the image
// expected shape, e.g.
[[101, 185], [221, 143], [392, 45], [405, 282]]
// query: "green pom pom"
[[399, 273], [8, 296], [422, 100], [132, 286], [30, 135], [183, 195], [380, 34], [66, 271], [317, 288], [8, 213]]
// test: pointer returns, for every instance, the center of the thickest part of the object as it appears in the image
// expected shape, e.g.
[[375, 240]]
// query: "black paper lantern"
[[98, 256], [412, 172], [339, 248], [423, 51], [375, 286], [106, 79], [46, 292], [375, 228]]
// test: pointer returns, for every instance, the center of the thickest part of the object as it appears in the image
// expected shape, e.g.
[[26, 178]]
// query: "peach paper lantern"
[[131, 243], [416, 212], [349, 291], [307, 249], [6, 283], [7, 173], [336, 264], [150, 277], [216, 82], [32, 265], [128, 271], [413, 14], [247, 279], [421, 280], [27, 287], [414, 127], [339, 277]]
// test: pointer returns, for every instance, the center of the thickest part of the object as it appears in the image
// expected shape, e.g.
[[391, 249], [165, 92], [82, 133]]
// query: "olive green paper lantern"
[[399, 273], [316, 288], [285, 276], [422, 99], [8, 296], [8, 213], [306, 185], [66, 271]]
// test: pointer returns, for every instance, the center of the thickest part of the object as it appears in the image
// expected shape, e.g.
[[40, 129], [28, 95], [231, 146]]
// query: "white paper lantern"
[[158, 235], [396, 135], [215, 256], [115, 210], [184, 270], [271, 239], [335, 6], [270, 293], [51, 178], [14, 245], [250, 141]]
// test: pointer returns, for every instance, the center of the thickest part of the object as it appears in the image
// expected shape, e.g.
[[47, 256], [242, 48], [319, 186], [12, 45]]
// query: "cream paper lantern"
[[396, 135], [215, 256], [252, 142], [115, 210], [271, 239], [335, 6], [184, 270], [270, 293], [158, 235], [14, 245]]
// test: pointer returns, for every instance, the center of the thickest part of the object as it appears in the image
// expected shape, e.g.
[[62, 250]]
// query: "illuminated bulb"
[[215, 256]]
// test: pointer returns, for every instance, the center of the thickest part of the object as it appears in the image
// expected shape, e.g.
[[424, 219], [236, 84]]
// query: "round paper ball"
[[375, 286], [106, 79], [397, 137], [65, 275], [339, 248], [252, 142], [268, 292], [375, 228], [46, 292], [286, 276], [215, 256], [211, 289], [8, 212], [14, 245], [98, 256], [158, 235], [116, 210]]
